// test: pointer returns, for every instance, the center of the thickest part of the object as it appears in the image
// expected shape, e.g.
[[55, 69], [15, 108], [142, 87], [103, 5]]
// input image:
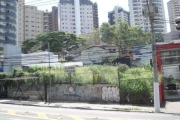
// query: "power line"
[[48, 3], [35, 1]]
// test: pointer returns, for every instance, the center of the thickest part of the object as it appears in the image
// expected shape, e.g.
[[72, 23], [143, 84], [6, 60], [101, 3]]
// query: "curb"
[[83, 108]]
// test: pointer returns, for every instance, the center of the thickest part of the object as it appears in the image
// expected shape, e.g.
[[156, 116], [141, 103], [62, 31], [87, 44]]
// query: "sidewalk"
[[88, 106]]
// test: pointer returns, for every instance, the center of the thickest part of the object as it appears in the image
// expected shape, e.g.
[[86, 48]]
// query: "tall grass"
[[134, 82]]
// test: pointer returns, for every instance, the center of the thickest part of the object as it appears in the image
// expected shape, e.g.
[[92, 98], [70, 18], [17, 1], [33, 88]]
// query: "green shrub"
[[146, 66], [122, 68], [136, 83], [138, 90]]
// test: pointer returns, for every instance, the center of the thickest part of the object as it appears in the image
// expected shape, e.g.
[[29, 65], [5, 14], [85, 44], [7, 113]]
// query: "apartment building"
[[118, 13], [174, 11], [31, 21], [8, 22], [95, 15], [76, 16], [53, 19], [20, 21], [137, 19], [45, 21]]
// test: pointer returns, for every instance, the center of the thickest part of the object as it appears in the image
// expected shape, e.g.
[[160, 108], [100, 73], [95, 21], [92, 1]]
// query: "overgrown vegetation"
[[136, 83]]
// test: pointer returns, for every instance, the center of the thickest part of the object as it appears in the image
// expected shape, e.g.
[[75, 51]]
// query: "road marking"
[[23, 113], [123, 119], [15, 119], [11, 112], [26, 116], [45, 117], [115, 119], [76, 117], [42, 115]]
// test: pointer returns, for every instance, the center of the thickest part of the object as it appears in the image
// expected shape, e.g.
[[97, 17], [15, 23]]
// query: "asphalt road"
[[18, 112]]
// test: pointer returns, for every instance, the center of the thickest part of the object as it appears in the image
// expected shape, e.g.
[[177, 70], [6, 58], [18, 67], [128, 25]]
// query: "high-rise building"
[[21, 26], [137, 19], [174, 11], [46, 21], [53, 19], [8, 22], [118, 13], [76, 16], [31, 21], [95, 15]]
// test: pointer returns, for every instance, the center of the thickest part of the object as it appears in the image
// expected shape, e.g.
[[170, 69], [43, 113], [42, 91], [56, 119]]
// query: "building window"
[[112, 50]]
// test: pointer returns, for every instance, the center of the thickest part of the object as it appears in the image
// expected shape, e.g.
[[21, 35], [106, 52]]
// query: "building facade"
[[95, 15], [137, 19], [76, 16], [174, 35], [53, 19], [31, 21], [96, 54], [174, 11], [8, 22], [118, 13]]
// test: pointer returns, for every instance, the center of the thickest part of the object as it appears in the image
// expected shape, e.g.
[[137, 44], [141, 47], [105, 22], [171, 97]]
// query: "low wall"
[[67, 92]]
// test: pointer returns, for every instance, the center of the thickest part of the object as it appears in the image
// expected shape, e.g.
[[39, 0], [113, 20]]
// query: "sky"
[[104, 7]]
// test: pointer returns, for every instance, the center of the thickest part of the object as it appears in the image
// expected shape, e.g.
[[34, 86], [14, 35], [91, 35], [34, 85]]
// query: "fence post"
[[119, 81], [93, 78], [70, 77], [45, 90]]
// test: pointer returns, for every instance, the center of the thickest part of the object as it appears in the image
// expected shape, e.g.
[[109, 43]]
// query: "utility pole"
[[49, 72], [150, 11]]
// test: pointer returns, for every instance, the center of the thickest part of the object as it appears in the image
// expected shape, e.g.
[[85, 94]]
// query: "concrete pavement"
[[19, 112], [172, 106], [88, 106], [169, 107]]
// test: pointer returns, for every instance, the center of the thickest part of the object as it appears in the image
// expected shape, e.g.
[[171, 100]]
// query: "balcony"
[[8, 20], [8, 14], [8, 41], [8, 34], [46, 25], [46, 30], [9, 1], [8, 27], [8, 7], [1, 41]]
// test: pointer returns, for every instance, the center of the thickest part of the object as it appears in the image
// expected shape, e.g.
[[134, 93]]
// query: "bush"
[[138, 90], [122, 68], [136, 83]]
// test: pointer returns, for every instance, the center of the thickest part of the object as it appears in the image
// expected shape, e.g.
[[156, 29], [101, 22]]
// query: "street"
[[18, 112]]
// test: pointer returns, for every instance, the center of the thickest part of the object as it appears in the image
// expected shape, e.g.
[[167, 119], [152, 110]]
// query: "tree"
[[107, 32], [82, 43], [93, 38], [124, 35], [159, 37], [1, 52], [28, 45], [59, 42], [139, 37]]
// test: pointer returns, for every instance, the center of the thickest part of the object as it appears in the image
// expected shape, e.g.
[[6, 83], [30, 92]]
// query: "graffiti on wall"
[[72, 92], [110, 94]]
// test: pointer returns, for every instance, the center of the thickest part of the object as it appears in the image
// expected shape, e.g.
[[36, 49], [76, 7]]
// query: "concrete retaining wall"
[[66, 92]]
